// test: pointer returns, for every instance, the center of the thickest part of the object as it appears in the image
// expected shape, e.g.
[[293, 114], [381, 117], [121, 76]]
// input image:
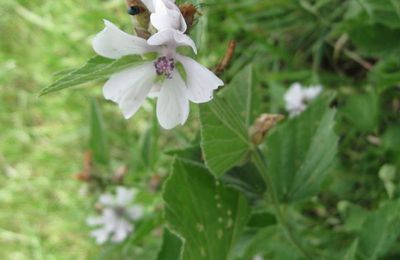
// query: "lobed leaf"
[[301, 152], [96, 68], [225, 122], [207, 216]]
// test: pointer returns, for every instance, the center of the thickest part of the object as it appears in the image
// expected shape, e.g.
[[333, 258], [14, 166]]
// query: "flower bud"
[[263, 124]]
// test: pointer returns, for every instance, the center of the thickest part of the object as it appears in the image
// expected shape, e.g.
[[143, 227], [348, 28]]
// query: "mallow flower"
[[165, 15], [160, 77], [115, 222], [298, 97]]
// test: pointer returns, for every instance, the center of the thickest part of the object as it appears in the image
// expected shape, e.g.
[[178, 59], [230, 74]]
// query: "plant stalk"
[[261, 167]]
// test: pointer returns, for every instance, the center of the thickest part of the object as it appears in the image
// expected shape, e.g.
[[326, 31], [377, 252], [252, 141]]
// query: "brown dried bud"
[[263, 124], [189, 12], [120, 174], [85, 174]]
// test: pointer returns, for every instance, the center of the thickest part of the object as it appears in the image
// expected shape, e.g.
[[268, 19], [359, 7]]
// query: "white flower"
[[117, 214], [130, 87], [165, 15], [258, 257], [297, 97]]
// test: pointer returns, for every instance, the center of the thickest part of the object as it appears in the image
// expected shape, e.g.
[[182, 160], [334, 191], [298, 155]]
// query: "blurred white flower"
[[258, 257], [115, 222], [160, 77], [298, 97]]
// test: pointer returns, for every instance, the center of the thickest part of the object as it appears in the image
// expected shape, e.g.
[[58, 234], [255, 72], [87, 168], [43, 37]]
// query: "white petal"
[[101, 235], [312, 92], [135, 212], [294, 97], [172, 38], [124, 196], [107, 200], [130, 87], [200, 81], [95, 221], [172, 104], [114, 43], [155, 91], [150, 4], [167, 16], [121, 231]]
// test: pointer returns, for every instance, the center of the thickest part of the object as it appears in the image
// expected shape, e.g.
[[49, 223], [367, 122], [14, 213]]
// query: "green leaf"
[[225, 122], [351, 252], [149, 144], [206, 215], [362, 111], [247, 180], [171, 247], [96, 68], [301, 151], [375, 39], [380, 230], [98, 137]]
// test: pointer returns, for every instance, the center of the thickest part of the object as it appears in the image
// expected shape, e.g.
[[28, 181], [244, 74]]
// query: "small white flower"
[[130, 87], [258, 257], [298, 97], [117, 214]]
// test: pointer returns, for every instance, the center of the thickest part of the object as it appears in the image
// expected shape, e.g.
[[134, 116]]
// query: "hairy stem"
[[261, 167]]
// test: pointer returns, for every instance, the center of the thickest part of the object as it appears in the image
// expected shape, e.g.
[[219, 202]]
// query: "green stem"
[[261, 167]]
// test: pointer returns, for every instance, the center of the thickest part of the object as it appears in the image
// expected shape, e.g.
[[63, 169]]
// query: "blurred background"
[[350, 46]]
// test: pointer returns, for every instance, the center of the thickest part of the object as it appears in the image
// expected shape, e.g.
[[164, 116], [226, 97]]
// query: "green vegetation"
[[331, 174]]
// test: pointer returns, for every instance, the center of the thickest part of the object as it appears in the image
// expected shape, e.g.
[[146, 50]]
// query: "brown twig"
[[224, 63]]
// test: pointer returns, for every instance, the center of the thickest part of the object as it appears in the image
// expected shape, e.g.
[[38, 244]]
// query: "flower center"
[[165, 66], [120, 211]]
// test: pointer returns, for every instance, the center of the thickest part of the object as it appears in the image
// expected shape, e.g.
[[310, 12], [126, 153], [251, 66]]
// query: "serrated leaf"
[[351, 252], [225, 122], [301, 152], [206, 215], [380, 230], [247, 180], [171, 247], [362, 111], [96, 68], [98, 136]]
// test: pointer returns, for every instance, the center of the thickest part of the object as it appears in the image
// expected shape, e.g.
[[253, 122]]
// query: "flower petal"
[[124, 196], [200, 81], [150, 4], [129, 88], [173, 104], [121, 230], [101, 235], [312, 92], [114, 43], [172, 38], [95, 221], [167, 16], [135, 212], [294, 97], [107, 200]]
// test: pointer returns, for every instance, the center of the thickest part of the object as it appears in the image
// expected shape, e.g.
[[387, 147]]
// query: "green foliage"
[[96, 68], [98, 136], [349, 211], [207, 216], [301, 152], [171, 248], [225, 121], [380, 230]]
